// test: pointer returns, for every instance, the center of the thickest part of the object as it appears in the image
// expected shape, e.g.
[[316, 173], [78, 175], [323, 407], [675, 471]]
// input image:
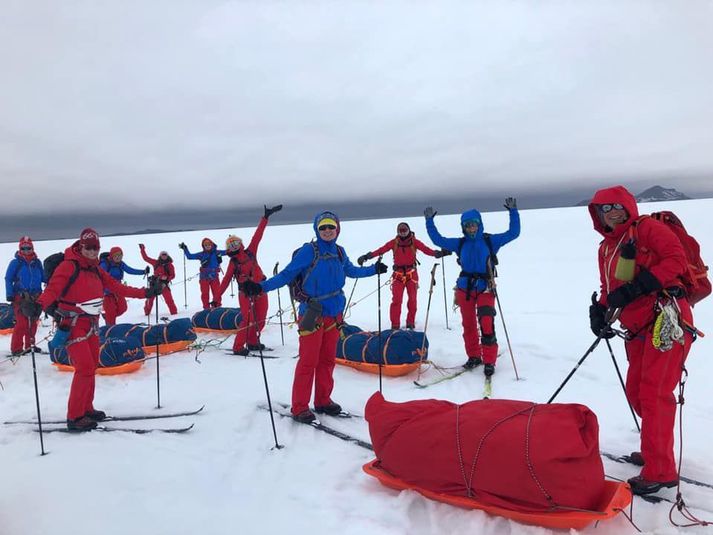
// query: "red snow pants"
[[650, 381], [168, 297], [318, 351], [114, 306], [84, 356], [478, 343], [23, 333], [250, 327], [399, 282], [208, 286]]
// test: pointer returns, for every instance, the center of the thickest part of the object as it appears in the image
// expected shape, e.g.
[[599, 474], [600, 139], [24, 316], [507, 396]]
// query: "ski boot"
[[331, 409], [472, 363]]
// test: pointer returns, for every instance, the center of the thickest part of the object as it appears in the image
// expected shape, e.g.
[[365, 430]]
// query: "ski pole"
[[279, 304], [610, 317], [621, 381], [428, 310], [185, 285], [37, 391], [264, 376], [158, 375], [232, 293], [445, 290], [351, 294], [378, 293], [507, 336]]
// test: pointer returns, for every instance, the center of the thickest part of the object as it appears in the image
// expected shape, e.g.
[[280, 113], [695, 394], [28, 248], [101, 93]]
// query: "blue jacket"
[[117, 270], [23, 276], [210, 265], [328, 275], [474, 252]]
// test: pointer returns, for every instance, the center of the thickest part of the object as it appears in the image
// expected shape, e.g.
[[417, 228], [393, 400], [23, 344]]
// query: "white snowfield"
[[223, 477]]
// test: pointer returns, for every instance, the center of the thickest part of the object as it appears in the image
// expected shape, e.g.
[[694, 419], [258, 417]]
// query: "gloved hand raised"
[[644, 283], [250, 288], [510, 203], [363, 258], [597, 321], [381, 267], [182, 246], [142, 246], [270, 211], [429, 212], [147, 270], [442, 252]]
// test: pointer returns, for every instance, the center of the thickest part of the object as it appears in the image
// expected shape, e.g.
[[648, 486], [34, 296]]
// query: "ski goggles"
[[471, 223], [91, 247], [26, 248], [403, 230], [163, 253], [606, 208]]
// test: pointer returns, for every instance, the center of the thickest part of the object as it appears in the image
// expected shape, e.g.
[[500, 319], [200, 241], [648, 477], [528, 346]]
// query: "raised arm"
[[498, 240], [450, 244], [257, 236], [147, 258]]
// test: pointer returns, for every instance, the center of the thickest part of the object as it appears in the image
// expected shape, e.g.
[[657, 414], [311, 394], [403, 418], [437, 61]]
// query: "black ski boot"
[[305, 417], [244, 352], [81, 424], [489, 369], [332, 409], [97, 416], [641, 486], [410, 326], [257, 347], [472, 363], [635, 458]]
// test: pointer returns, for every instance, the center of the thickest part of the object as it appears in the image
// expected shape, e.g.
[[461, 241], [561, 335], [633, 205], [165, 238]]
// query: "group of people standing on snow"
[[317, 275]]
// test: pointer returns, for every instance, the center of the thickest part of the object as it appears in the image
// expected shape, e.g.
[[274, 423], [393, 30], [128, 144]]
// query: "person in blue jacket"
[[114, 265], [475, 293], [209, 278], [23, 285], [322, 267]]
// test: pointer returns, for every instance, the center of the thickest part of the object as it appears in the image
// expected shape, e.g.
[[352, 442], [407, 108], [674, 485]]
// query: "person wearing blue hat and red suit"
[[324, 266], [209, 278], [23, 283], [640, 293], [474, 294], [115, 305]]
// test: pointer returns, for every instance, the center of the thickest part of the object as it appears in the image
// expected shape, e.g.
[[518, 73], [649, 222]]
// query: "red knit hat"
[[25, 241], [114, 250], [89, 238]]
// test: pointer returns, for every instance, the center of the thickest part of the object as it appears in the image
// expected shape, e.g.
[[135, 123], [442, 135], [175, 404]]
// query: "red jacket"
[[163, 270], [88, 286], [404, 250], [243, 264], [658, 250]]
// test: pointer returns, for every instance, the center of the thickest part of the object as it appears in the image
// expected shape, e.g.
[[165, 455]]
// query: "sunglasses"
[[471, 223], [25, 248], [91, 247], [327, 227], [606, 208], [403, 231], [164, 254]]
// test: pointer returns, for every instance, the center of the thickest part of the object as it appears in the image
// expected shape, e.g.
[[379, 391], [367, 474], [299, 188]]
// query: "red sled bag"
[[516, 455]]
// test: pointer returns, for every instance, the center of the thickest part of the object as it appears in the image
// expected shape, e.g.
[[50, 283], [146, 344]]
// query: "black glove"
[[182, 246], [142, 246], [147, 270], [31, 309], [51, 310], [510, 203], [155, 287], [363, 258], [429, 212], [381, 267], [442, 252], [10, 299], [597, 321], [644, 283], [251, 288], [270, 211]]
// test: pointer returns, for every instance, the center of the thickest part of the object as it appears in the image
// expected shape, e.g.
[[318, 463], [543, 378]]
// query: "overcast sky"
[[141, 104]]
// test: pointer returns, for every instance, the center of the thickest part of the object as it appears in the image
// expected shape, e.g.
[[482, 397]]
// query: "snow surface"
[[224, 478]]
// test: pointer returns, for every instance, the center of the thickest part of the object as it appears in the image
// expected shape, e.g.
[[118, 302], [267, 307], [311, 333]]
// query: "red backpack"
[[695, 281]]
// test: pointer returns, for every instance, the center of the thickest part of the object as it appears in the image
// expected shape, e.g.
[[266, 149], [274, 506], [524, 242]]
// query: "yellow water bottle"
[[626, 264]]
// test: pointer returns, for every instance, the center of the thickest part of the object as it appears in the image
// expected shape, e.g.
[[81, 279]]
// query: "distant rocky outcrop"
[[653, 194]]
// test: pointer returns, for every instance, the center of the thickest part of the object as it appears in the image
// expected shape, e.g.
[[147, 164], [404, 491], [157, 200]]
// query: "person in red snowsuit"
[[74, 296], [162, 269], [654, 283], [405, 274], [243, 266]]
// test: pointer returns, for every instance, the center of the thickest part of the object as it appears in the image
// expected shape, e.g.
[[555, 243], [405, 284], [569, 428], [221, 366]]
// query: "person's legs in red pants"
[[205, 295], [215, 290], [84, 361], [21, 329], [397, 294], [486, 317], [412, 303], [324, 375], [258, 323], [246, 319], [168, 297], [310, 346], [471, 337], [148, 305], [110, 309]]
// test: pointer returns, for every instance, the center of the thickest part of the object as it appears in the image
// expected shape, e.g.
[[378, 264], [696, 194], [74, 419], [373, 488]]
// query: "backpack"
[[104, 257], [50, 265], [296, 286], [695, 281], [492, 259]]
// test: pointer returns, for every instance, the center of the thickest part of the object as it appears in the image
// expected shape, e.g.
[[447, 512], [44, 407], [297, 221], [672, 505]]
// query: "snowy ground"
[[223, 476]]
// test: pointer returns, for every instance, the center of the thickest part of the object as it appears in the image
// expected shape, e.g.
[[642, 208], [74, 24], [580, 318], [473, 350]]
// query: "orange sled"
[[390, 370], [219, 331], [168, 348], [6, 331], [616, 497], [129, 367]]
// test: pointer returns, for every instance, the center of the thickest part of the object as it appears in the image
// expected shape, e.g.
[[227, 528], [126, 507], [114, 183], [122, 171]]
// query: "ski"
[[342, 414], [625, 459], [120, 429], [126, 418], [441, 379], [488, 387], [251, 354], [279, 409]]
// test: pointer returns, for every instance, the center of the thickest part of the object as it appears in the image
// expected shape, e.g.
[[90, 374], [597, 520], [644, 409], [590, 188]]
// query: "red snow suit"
[[243, 266], [404, 276], [83, 344], [166, 272], [652, 374], [512, 454]]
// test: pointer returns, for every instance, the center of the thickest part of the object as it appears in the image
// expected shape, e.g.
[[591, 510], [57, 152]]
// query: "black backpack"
[[296, 285], [50, 265]]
